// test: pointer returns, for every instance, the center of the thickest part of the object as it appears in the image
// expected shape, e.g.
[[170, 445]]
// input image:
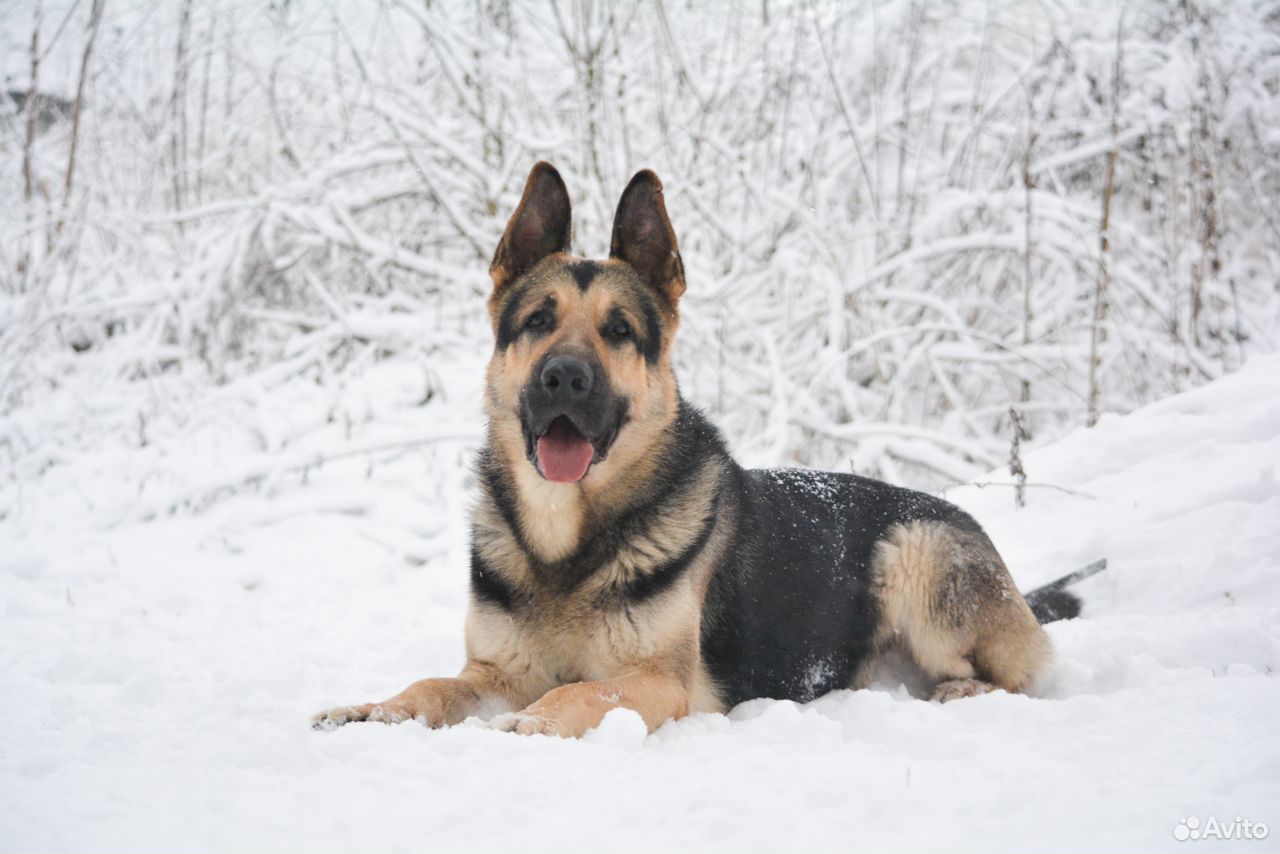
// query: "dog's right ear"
[[539, 227]]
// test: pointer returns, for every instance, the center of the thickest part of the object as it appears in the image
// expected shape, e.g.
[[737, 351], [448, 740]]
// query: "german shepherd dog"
[[620, 558]]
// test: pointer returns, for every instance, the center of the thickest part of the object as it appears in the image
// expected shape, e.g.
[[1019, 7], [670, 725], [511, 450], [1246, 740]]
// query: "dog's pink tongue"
[[564, 453]]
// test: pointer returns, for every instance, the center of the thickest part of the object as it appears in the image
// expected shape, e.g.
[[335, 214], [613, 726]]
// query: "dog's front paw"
[[384, 713], [525, 723], [431, 702]]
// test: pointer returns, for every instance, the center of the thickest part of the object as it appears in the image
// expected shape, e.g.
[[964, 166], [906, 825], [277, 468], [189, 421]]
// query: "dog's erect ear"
[[539, 227], [642, 236]]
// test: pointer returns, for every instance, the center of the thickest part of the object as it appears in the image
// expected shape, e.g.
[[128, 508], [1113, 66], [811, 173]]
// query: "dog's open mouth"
[[564, 454]]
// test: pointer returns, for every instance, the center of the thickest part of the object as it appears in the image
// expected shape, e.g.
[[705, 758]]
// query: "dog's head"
[[580, 383]]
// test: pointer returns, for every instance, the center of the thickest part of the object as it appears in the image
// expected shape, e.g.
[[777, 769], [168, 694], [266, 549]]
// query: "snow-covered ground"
[[176, 607]]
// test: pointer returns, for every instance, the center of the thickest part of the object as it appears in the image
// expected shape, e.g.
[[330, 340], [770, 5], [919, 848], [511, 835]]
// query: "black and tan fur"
[[669, 580]]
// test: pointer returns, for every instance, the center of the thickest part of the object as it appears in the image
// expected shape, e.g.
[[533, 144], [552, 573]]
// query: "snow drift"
[[160, 666]]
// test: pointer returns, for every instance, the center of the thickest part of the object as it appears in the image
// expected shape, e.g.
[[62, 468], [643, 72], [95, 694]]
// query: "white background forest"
[[899, 219], [243, 273]]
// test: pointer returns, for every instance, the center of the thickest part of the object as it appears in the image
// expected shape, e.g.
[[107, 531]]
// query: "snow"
[[243, 331], [162, 658], [621, 728], [889, 212]]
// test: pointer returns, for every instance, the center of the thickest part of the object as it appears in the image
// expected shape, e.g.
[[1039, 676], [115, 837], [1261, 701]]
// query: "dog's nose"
[[566, 377]]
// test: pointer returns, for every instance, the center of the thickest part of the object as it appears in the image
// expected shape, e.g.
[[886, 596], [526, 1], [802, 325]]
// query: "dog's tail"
[[1053, 601]]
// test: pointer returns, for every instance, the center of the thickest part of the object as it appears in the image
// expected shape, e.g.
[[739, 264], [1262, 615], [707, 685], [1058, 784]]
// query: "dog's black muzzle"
[[567, 386]]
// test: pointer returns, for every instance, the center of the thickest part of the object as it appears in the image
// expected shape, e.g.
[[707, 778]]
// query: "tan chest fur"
[[554, 638], [560, 641]]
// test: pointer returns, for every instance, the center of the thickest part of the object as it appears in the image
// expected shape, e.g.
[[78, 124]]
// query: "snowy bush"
[[899, 219]]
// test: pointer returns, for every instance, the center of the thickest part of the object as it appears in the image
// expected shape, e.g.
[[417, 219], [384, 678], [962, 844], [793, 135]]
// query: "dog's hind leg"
[[954, 689], [947, 599]]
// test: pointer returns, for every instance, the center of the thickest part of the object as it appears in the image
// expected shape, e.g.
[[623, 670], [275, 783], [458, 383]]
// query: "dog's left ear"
[[643, 237]]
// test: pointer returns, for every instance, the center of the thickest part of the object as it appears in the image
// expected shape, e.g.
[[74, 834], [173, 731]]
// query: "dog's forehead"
[[579, 281], [584, 271]]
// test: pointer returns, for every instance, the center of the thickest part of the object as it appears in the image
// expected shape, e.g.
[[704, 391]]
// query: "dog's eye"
[[620, 329], [537, 320]]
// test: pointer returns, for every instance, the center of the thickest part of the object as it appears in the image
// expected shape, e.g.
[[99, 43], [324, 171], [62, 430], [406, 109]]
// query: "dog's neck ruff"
[[623, 545]]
